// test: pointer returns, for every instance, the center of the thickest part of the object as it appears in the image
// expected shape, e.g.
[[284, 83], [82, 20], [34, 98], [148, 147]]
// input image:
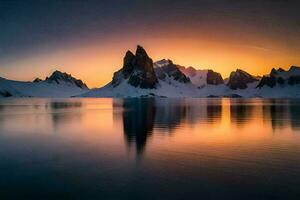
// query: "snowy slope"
[[172, 88], [197, 77], [40, 89], [167, 88]]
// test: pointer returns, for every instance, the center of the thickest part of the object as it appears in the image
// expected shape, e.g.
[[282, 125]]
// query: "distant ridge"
[[141, 77], [59, 84]]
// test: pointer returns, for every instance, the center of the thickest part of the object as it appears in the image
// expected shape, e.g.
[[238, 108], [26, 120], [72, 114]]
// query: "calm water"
[[149, 149]]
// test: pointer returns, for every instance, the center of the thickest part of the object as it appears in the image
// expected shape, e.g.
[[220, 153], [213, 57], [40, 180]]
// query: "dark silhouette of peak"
[[138, 69], [239, 79], [281, 76], [140, 52], [37, 80], [214, 78], [294, 68], [173, 71], [60, 77]]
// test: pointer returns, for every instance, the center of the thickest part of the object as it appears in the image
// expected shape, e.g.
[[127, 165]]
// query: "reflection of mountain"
[[141, 115], [214, 111], [278, 112], [63, 111], [138, 121], [295, 114], [170, 113], [240, 112]]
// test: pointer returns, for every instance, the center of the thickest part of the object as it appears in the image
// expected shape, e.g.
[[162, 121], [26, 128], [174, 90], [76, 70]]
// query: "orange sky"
[[91, 40], [94, 62]]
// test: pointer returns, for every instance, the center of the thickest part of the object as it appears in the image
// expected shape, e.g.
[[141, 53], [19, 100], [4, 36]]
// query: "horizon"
[[91, 41], [91, 87]]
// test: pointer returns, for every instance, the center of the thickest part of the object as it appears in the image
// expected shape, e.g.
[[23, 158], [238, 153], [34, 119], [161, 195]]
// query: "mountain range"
[[59, 84], [141, 77]]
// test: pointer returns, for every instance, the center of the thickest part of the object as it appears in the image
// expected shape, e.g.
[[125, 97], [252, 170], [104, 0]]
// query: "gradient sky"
[[89, 38]]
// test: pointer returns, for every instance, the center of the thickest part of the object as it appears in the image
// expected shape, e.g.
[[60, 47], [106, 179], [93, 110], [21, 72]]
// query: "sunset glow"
[[223, 39]]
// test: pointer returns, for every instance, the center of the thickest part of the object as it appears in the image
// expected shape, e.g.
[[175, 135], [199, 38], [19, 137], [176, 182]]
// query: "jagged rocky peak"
[[37, 80], [239, 79], [281, 77], [161, 63], [214, 78], [191, 71], [137, 70], [294, 69], [62, 77], [171, 70]]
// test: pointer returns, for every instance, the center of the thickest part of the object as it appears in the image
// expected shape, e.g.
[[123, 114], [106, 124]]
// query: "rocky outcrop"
[[5, 93], [137, 70], [281, 77], [214, 78], [293, 80], [239, 79], [171, 70], [267, 80], [36, 80], [62, 77]]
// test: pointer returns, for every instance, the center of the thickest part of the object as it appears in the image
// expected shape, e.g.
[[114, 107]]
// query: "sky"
[[89, 38]]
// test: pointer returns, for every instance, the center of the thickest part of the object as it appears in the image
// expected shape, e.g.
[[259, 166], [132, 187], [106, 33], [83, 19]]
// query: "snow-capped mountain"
[[64, 78], [137, 70], [59, 84], [281, 78], [140, 77], [240, 79], [169, 72], [200, 78]]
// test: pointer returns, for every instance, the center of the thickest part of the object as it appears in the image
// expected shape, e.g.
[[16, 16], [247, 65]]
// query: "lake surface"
[[149, 148]]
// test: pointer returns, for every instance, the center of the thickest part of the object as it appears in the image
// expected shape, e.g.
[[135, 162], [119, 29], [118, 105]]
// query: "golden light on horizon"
[[95, 62]]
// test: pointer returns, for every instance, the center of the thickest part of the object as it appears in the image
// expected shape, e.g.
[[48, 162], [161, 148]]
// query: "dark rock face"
[[37, 80], [280, 76], [138, 69], [239, 79], [267, 80], [5, 94], [171, 70], [58, 77], [214, 78], [293, 80], [191, 71]]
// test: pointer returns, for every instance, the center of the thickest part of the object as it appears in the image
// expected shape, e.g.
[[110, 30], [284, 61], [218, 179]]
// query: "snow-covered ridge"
[[141, 77], [173, 80], [57, 85]]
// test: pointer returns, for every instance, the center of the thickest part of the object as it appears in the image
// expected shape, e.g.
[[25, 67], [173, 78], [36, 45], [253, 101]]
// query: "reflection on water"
[[149, 148], [138, 121], [240, 112], [68, 115]]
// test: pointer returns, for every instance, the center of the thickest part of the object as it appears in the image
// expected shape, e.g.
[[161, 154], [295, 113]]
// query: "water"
[[149, 149]]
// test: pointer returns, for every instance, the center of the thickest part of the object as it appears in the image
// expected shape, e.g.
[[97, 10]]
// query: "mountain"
[[197, 77], [64, 78], [137, 70], [240, 79], [200, 78], [281, 78], [170, 70], [59, 84], [139, 76]]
